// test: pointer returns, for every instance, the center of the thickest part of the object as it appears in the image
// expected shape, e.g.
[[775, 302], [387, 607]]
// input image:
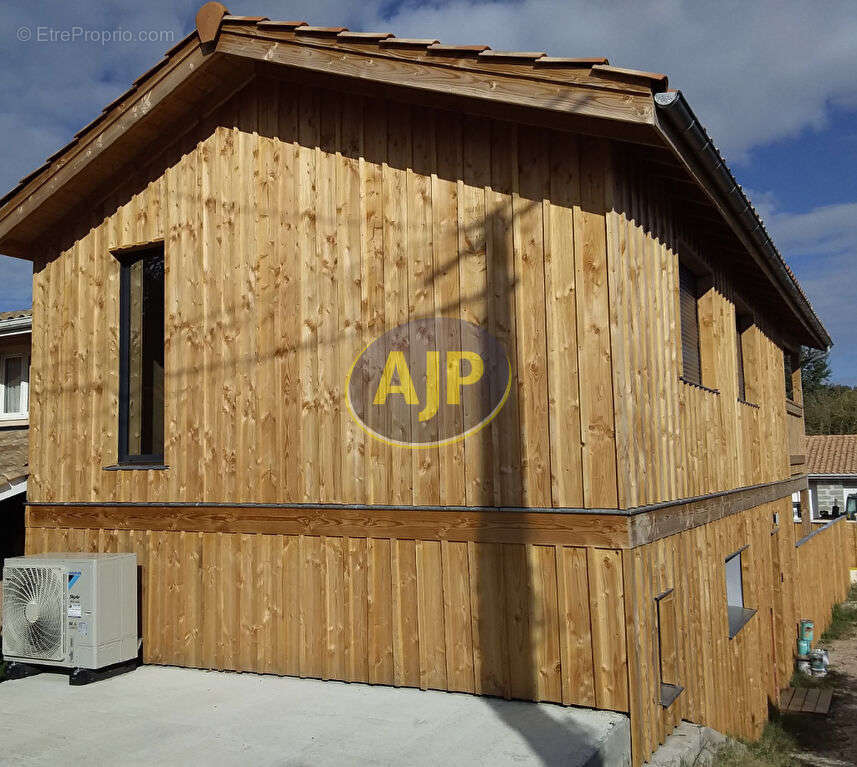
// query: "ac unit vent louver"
[[34, 612], [72, 610]]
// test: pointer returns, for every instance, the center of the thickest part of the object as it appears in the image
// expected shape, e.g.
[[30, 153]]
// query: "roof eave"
[[15, 325], [685, 135]]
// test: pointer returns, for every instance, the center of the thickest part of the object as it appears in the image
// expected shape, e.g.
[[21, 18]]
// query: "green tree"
[[831, 410], [814, 369]]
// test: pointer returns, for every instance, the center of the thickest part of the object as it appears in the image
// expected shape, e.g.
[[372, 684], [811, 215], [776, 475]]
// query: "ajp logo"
[[431, 381]]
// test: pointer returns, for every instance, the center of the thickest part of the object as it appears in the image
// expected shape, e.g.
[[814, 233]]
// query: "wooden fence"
[[851, 543], [823, 559]]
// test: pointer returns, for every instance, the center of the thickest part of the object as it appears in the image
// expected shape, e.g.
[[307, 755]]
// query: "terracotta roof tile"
[[364, 36], [325, 31], [280, 24], [526, 55], [564, 61], [458, 50], [418, 42], [832, 454]]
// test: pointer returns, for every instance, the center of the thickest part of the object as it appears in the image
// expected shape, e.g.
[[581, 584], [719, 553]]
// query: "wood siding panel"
[[298, 226], [511, 620]]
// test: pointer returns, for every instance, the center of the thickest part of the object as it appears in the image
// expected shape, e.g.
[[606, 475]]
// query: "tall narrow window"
[[14, 375], [689, 308], [741, 324], [141, 362], [789, 369]]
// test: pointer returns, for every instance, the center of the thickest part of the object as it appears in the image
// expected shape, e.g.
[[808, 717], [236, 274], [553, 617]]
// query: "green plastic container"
[[807, 629]]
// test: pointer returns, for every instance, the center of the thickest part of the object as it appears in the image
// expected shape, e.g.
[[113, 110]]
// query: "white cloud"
[[754, 72], [821, 246]]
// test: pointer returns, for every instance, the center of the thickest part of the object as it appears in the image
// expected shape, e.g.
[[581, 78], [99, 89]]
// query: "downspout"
[[683, 128]]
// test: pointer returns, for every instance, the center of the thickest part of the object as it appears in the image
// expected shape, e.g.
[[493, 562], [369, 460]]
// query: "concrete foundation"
[[172, 716]]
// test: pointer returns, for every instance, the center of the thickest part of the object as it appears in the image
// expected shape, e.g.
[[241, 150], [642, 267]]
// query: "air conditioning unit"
[[70, 610]]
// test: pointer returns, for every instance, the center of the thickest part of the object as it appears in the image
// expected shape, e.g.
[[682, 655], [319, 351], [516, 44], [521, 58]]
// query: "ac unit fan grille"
[[34, 612]]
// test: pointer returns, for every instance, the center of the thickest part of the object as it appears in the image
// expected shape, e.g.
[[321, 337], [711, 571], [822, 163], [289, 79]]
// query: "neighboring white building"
[[832, 469], [15, 335]]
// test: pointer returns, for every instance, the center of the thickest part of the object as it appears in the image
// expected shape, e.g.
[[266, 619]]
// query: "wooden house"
[[216, 251]]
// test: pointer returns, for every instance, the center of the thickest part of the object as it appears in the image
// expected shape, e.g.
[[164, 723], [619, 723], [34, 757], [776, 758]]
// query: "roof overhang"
[[694, 148]]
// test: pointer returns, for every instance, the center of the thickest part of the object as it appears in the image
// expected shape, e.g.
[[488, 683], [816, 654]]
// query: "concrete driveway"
[[173, 716]]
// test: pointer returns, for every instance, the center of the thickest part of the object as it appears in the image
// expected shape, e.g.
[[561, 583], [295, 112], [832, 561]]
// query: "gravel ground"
[[833, 740]]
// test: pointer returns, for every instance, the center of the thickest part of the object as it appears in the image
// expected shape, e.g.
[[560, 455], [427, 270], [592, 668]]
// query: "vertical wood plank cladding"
[[606, 598], [357, 649], [396, 265], [593, 323], [298, 227], [378, 454], [457, 616], [575, 626], [430, 604], [488, 619], [308, 139], [312, 612], [329, 394], [336, 617], [475, 295], [502, 279], [380, 603], [532, 364], [447, 290], [289, 333], [421, 295], [245, 282], [268, 266], [510, 620], [38, 375], [561, 307], [348, 239], [672, 439], [406, 638]]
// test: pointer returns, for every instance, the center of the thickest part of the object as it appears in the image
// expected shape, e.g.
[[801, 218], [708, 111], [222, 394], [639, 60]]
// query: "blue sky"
[[774, 82]]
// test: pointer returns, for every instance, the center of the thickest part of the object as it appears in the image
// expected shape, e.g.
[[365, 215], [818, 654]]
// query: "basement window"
[[739, 615], [141, 357], [667, 647]]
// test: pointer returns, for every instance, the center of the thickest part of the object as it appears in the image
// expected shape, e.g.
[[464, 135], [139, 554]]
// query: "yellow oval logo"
[[431, 381]]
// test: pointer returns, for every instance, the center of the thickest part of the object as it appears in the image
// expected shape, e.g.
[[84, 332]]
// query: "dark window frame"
[[790, 366], [743, 323], [688, 277], [126, 258]]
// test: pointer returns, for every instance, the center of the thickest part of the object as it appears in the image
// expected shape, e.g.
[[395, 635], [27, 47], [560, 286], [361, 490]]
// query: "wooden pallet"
[[800, 700]]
